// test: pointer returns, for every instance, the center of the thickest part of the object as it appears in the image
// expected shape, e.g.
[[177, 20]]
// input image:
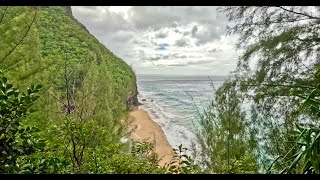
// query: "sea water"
[[173, 101]]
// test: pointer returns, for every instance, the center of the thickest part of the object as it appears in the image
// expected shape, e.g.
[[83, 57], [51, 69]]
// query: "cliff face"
[[58, 45], [132, 99]]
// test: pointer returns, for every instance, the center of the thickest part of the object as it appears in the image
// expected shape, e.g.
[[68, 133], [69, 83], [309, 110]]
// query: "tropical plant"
[[304, 156]]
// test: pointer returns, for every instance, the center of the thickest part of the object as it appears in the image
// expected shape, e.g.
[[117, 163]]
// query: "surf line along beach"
[[147, 129]]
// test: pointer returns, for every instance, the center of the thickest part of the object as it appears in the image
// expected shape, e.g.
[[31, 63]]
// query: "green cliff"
[[78, 73]]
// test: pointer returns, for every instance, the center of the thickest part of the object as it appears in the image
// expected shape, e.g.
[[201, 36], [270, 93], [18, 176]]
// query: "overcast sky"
[[164, 40]]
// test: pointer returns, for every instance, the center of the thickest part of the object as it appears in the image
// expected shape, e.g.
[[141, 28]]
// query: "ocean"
[[172, 102]]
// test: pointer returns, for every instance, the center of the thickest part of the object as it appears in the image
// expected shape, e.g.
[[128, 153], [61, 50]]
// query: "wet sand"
[[147, 129]]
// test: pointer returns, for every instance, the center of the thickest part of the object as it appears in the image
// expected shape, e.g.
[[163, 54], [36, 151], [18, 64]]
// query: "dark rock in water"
[[152, 100], [143, 100]]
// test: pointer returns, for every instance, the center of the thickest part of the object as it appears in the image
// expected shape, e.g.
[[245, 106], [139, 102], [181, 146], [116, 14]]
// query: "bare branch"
[[57, 98], [283, 85], [300, 13]]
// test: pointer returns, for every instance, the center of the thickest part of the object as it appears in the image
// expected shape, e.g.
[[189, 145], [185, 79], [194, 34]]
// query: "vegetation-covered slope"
[[62, 56], [82, 95], [83, 92]]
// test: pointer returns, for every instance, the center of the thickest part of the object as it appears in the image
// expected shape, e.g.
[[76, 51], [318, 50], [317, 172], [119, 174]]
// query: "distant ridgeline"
[[50, 47]]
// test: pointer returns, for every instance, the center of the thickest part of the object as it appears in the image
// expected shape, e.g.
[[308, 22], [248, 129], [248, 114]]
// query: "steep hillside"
[[77, 72]]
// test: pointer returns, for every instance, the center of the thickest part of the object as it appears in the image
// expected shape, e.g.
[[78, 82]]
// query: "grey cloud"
[[209, 33], [158, 57], [177, 31], [194, 30], [183, 42], [157, 17], [161, 35], [175, 24], [144, 57], [178, 56], [101, 23], [109, 28], [198, 62], [155, 58], [122, 36], [141, 43], [143, 30], [177, 65], [186, 33], [213, 50], [181, 56]]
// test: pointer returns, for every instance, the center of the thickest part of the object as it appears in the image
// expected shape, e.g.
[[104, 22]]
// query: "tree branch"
[[8, 68], [34, 17], [274, 22], [307, 15], [57, 99], [4, 12], [276, 85]]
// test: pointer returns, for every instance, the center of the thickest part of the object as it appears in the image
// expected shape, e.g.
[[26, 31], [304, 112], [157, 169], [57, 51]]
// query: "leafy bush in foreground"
[[17, 140]]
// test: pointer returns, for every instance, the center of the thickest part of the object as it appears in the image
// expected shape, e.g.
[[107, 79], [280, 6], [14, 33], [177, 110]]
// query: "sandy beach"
[[147, 129]]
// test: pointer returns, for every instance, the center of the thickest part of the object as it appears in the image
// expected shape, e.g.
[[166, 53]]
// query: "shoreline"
[[147, 129]]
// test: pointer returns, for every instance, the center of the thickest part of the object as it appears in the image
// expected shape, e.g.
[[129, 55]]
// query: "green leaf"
[[25, 172], [29, 91], [4, 80], [3, 97], [306, 166], [28, 165], [10, 92], [294, 163], [39, 86], [41, 144], [4, 152], [16, 93], [9, 86]]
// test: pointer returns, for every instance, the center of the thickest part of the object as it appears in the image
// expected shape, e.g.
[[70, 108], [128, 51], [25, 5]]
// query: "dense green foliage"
[[17, 140], [77, 125], [54, 41], [181, 163], [222, 134], [278, 69], [81, 104], [304, 155], [23, 151], [278, 76]]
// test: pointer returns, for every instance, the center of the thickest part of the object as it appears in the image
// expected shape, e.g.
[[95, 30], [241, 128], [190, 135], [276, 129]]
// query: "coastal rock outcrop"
[[133, 100]]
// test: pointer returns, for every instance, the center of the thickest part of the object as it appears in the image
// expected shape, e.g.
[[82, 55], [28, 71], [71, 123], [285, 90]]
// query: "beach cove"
[[147, 129]]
